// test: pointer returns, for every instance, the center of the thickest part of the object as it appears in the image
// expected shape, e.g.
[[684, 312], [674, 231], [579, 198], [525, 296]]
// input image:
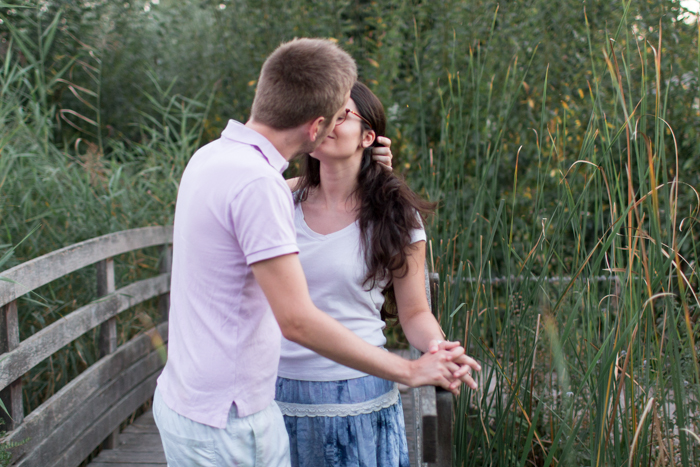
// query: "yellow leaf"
[[580, 93], [251, 83], [373, 62]]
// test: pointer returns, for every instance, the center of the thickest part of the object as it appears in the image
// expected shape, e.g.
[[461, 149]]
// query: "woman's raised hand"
[[382, 154]]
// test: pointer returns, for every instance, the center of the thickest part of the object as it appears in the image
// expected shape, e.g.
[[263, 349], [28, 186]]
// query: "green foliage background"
[[560, 237]]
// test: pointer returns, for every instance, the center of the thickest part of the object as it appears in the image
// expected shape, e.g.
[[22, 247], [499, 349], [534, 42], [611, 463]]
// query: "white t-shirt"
[[335, 270]]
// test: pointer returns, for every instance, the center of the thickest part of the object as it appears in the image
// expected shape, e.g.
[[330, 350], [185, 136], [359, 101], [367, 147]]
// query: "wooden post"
[[429, 422], [166, 264], [11, 395], [108, 329], [445, 409]]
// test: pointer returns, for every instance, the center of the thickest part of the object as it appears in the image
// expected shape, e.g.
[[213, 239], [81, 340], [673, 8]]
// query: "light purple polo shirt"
[[233, 209]]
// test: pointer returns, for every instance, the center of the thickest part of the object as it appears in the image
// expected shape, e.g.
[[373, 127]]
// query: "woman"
[[362, 247]]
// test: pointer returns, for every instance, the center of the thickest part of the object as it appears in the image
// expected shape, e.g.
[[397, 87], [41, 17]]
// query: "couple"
[[243, 249]]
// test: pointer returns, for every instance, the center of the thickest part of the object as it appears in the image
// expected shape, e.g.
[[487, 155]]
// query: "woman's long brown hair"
[[388, 208]]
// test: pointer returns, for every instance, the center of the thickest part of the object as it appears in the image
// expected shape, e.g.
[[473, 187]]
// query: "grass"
[[567, 234], [582, 306], [67, 191]]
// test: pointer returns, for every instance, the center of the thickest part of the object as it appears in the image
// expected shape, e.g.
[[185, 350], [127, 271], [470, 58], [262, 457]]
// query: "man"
[[237, 281]]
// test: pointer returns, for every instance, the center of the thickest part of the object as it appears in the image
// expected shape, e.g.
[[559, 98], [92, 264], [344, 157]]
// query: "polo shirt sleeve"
[[262, 221]]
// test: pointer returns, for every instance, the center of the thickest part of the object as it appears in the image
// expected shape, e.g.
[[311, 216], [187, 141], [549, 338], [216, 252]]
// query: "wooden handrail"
[[40, 271], [68, 426], [53, 337]]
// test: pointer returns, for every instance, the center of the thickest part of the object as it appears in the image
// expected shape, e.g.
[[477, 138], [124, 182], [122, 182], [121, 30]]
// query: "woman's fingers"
[[464, 374], [466, 379], [383, 154], [456, 352], [385, 161], [434, 345], [449, 345], [453, 369], [384, 141], [465, 361]]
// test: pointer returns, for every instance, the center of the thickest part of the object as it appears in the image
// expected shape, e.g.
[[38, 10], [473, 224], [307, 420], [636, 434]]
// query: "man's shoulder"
[[232, 160]]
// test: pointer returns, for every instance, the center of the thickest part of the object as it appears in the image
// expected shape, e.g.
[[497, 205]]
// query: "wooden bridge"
[[87, 413]]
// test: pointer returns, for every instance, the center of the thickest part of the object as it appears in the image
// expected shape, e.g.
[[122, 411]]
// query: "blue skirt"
[[374, 439]]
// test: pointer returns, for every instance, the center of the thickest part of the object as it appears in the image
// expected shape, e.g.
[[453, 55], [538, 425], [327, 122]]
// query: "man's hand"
[[466, 363], [383, 155], [436, 369]]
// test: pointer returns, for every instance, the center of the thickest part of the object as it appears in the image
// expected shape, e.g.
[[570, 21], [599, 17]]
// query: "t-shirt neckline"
[[312, 233]]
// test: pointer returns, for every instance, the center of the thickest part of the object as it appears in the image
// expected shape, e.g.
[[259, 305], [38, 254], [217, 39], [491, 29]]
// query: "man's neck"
[[287, 142]]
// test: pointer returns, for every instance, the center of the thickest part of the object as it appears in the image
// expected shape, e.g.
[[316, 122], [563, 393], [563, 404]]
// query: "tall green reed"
[[577, 289], [538, 180], [63, 181]]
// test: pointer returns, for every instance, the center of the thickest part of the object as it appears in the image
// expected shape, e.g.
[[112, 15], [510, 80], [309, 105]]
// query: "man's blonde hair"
[[302, 80]]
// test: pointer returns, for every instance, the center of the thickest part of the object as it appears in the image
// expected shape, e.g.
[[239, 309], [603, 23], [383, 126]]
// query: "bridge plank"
[[131, 457], [89, 439], [91, 422], [140, 442], [131, 441], [110, 464], [40, 271], [60, 333], [52, 414]]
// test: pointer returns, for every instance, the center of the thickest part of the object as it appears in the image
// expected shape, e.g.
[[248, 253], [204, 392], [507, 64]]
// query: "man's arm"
[[284, 284]]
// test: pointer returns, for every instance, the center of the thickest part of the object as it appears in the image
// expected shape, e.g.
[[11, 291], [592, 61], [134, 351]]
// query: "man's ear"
[[368, 138], [314, 128]]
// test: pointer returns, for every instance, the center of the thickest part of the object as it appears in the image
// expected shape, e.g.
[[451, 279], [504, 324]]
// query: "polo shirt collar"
[[236, 131]]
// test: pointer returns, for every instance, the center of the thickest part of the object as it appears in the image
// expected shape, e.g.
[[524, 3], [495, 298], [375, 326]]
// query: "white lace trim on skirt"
[[388, 399]]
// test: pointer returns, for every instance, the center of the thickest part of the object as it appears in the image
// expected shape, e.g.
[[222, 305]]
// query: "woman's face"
[[347, 139]]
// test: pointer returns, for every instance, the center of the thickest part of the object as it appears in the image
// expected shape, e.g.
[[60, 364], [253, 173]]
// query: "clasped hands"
[[457, 362]]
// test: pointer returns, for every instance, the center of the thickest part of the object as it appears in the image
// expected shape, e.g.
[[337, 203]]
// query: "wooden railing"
[[68, 426], [87, 412]]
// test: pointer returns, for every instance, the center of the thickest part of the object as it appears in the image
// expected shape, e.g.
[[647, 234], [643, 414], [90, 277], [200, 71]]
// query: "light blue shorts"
[[258, 440]]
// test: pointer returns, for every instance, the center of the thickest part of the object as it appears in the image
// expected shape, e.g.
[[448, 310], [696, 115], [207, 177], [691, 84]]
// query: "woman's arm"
[[417, 321], [419, 325]]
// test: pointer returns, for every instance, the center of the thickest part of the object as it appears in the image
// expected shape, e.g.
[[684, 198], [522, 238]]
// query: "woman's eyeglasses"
[[344, 117]]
